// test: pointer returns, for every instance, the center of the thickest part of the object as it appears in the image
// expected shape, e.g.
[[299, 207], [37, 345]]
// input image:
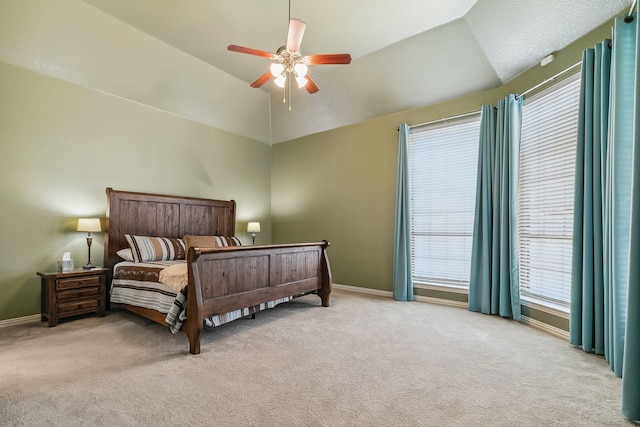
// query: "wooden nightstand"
[[73, 292]]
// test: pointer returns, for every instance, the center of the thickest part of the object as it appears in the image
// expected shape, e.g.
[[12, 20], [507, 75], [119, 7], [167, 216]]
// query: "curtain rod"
[[459, 116], [444, 119], [550, 79]]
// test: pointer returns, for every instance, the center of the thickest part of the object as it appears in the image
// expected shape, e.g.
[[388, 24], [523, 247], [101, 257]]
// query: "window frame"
[[469, 124], [562, 146]]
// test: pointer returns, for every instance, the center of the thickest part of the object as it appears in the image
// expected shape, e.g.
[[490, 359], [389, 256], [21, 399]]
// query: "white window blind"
[[443, 164], [545, 212]]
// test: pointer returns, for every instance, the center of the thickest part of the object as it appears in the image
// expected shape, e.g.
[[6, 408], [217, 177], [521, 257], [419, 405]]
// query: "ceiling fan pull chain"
[[289, 81]]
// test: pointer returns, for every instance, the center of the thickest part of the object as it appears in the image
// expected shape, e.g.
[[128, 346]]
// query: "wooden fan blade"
[[335, 58], [250, 51], [294, 37], [262, 79], [311, 86]]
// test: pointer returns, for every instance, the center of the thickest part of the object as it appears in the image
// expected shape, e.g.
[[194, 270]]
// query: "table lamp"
[[253, 228], [89, 225]]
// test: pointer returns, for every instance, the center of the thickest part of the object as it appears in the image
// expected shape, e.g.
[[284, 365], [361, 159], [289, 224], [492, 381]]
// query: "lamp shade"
[[276, 69], [89, 224], [302, 81], [253, 227], [280, 81], [301, 69]]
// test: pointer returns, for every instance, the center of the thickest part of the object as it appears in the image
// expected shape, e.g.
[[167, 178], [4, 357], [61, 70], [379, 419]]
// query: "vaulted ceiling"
[[406, 54]]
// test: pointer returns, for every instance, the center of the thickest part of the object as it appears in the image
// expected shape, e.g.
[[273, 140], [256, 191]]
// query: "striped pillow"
[[147, 249], [211, 241]]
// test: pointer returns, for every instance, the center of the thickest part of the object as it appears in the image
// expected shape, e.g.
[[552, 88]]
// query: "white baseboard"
[[560, 333], [442, 301], [20, 320], [362, 290], [389, 294]]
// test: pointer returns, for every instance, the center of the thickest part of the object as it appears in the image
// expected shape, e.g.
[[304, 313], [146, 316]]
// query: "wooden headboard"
[[145, 214]]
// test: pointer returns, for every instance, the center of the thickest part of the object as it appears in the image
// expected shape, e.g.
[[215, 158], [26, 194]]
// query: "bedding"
[[161, 286], [137, 284], [175, 276]]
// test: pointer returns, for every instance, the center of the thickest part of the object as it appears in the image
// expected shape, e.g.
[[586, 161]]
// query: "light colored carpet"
[[364, 361]]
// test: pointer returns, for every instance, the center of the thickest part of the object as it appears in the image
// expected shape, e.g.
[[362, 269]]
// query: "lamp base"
[[89, 266]]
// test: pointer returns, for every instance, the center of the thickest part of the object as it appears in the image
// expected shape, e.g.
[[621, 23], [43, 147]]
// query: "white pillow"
[[125, 254]]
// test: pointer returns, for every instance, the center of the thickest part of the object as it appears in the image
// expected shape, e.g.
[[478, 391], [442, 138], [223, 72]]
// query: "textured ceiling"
[[406, 54]]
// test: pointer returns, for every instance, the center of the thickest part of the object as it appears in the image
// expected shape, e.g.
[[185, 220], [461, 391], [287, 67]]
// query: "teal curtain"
[[631, 363], [587, 281], [402, 275], [480, 294], [617, 212], [494, 278], [605, 278]]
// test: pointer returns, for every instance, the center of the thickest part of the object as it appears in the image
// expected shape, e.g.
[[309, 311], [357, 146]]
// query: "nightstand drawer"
[[78, 294], [77, 307], [78, 282]]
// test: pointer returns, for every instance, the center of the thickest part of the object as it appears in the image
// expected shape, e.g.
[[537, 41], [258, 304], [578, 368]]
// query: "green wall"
[[61, 145], [339, 185]]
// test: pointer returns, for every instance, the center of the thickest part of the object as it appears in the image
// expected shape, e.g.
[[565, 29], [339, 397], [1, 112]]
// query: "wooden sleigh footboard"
[[222, 280]]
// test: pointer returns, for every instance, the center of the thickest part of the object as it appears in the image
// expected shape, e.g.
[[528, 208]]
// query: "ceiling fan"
[[289, 63]]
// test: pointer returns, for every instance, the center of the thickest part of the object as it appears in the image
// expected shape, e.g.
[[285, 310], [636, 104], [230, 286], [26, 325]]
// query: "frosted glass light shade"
[[301, 69], [302, 81], [277, 69], [280, 81]]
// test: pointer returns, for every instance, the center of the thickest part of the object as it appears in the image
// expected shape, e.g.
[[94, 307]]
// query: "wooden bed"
[[220, 280]]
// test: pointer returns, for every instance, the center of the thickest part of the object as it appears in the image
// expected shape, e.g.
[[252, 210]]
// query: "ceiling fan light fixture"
[[277, 69], [280, 81], [301, 82], [301, 69], [289, 62]]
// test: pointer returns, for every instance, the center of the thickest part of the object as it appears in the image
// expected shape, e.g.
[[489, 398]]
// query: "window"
[[443, 165], [545, 212]]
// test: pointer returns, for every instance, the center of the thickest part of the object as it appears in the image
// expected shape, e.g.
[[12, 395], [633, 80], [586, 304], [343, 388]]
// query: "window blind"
[[443, 164], [545, 211]]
